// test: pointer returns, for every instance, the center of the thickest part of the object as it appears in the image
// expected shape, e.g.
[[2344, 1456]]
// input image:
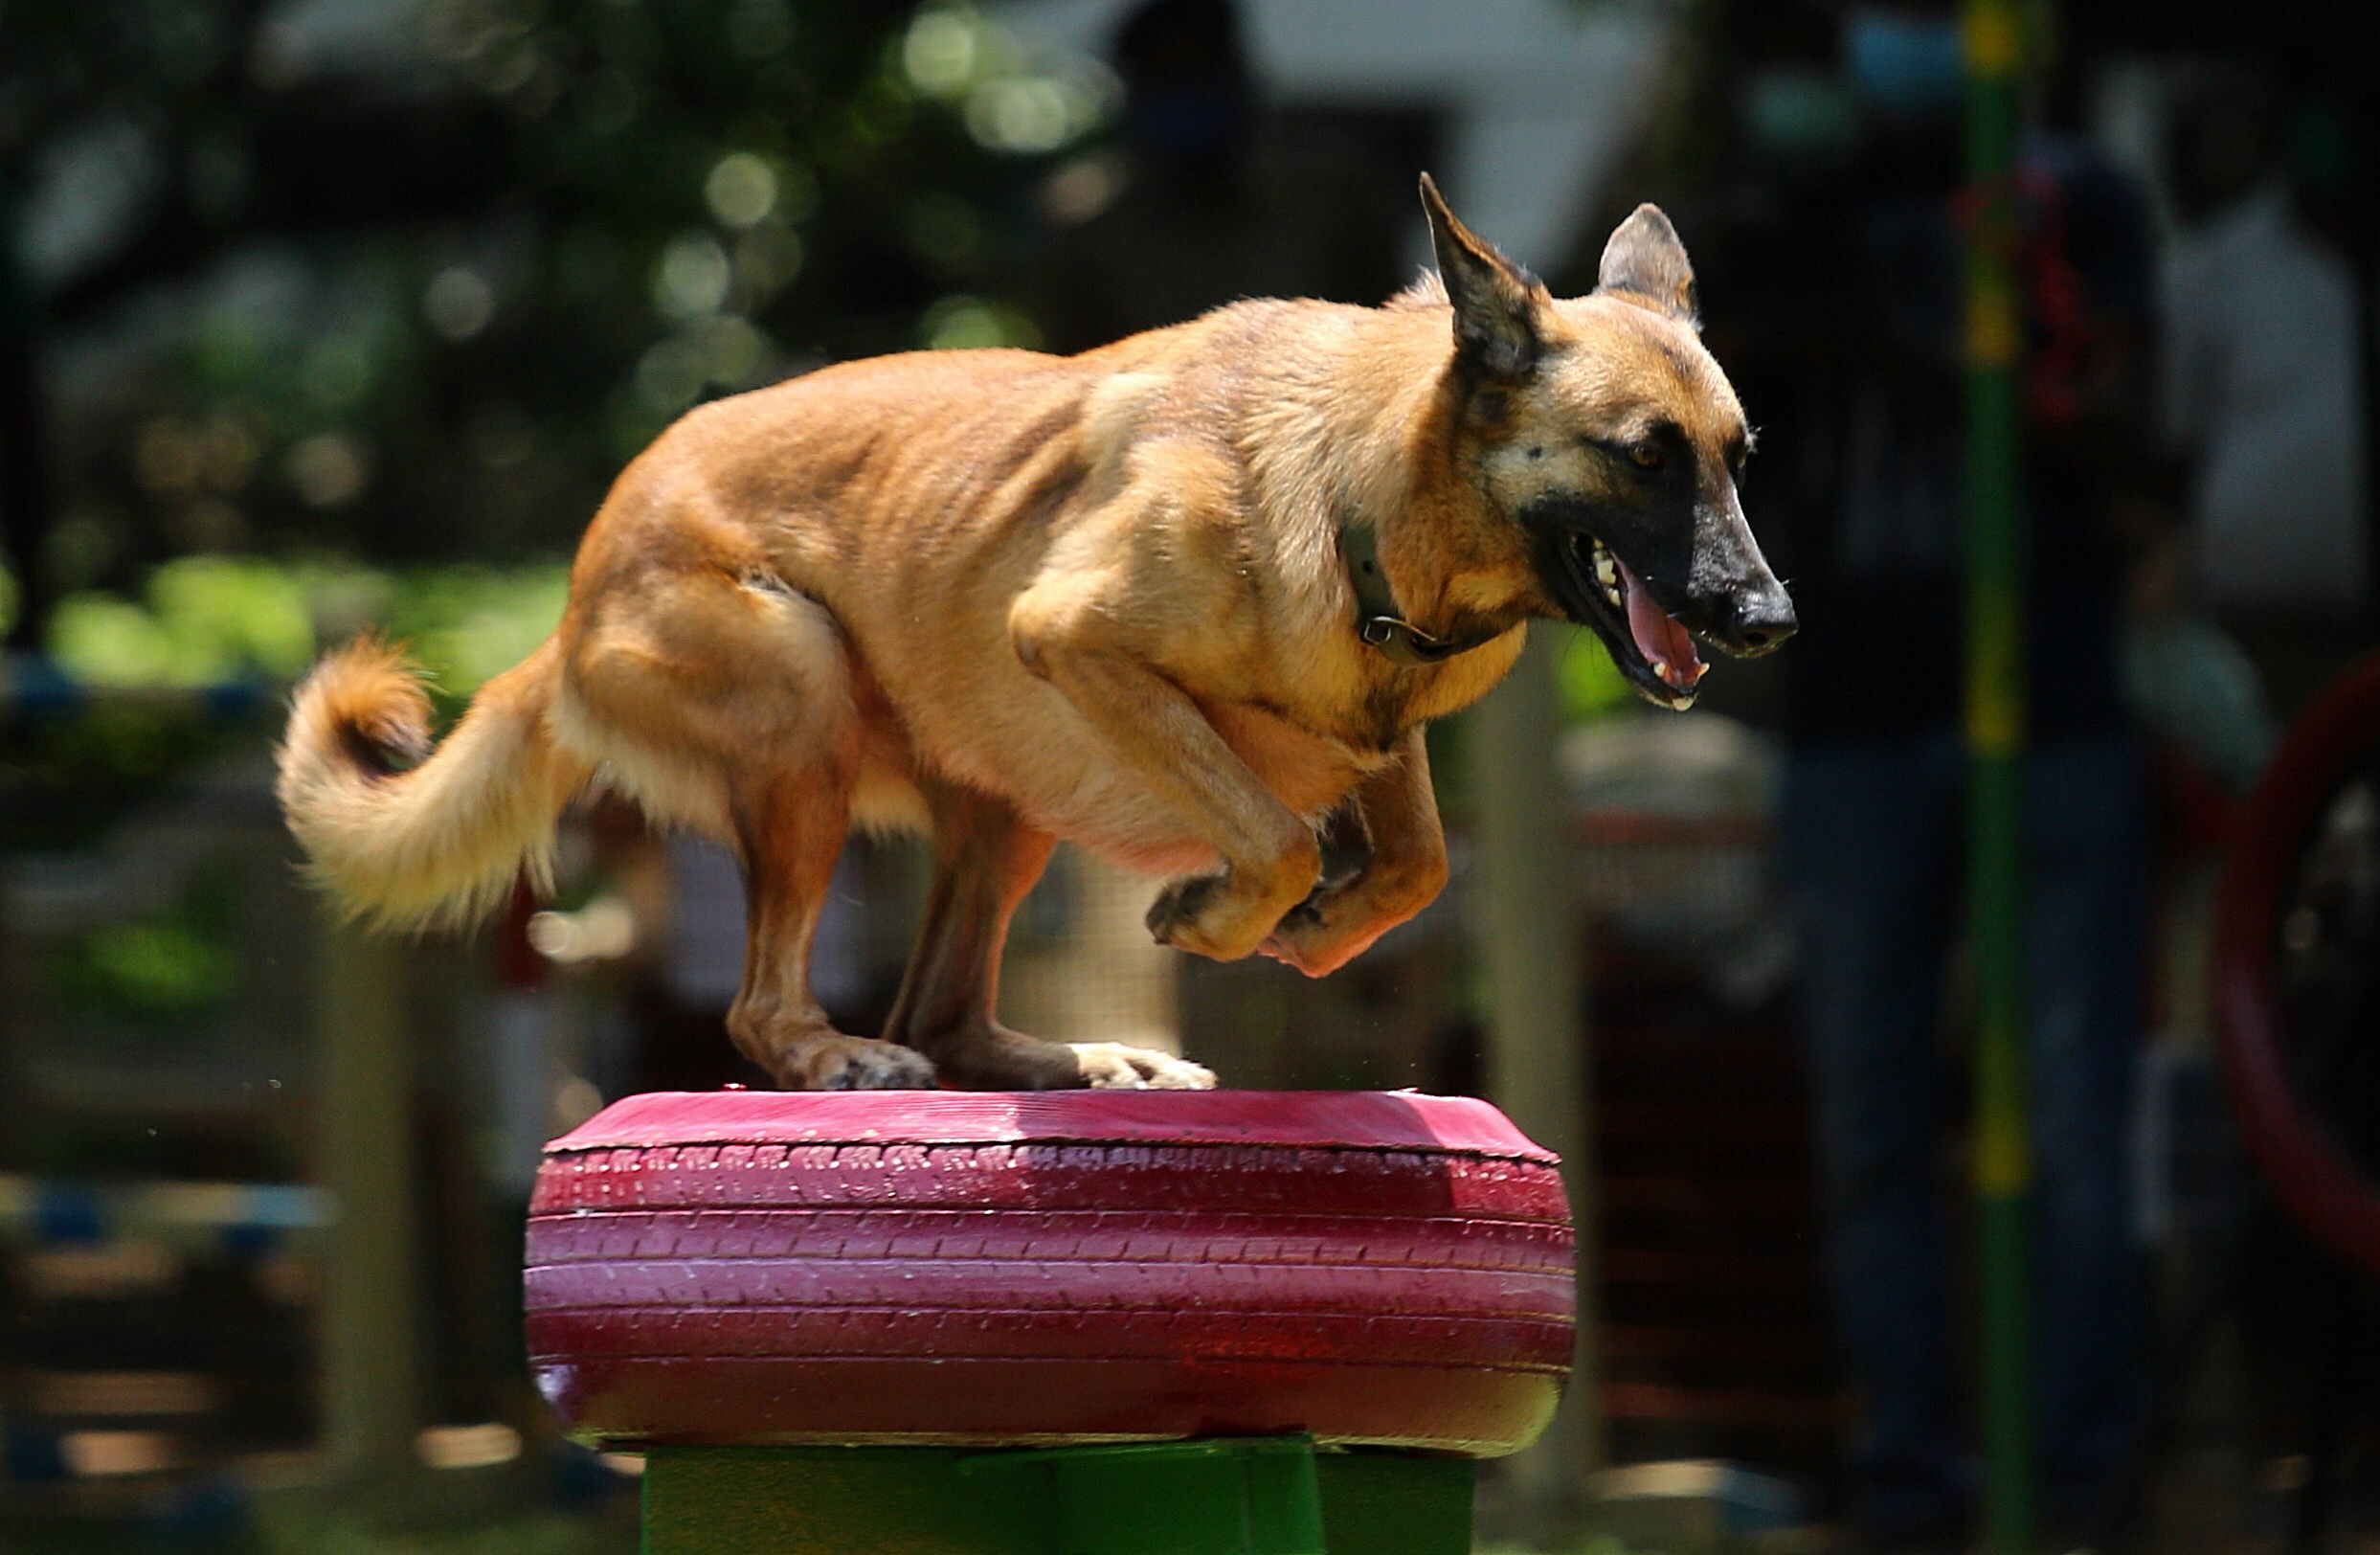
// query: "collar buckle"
[[1398, 641]]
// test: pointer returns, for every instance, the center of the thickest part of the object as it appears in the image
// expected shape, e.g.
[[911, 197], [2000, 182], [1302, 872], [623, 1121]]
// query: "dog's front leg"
[[1271, 857], [1406, 873]]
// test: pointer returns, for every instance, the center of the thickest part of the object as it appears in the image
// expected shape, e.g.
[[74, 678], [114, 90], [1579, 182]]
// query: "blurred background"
[[325, 314]]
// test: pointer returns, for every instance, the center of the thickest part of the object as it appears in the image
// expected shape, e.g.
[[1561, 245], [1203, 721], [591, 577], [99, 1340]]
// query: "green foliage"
[[175, 962], [1591, 684], [469, 624], [204, 619], [427, 325], [963, 323], [155, 968]]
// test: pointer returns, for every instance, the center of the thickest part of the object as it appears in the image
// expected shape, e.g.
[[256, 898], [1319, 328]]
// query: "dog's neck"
[[1391, 446], [1377, 619]]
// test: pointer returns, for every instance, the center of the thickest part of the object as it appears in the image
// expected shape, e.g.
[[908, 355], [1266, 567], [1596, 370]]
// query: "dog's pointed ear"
[[1645, 263], [1498, 305]]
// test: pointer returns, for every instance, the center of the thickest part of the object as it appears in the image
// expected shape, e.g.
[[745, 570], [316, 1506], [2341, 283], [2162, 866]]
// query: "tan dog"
[[1180, 599]]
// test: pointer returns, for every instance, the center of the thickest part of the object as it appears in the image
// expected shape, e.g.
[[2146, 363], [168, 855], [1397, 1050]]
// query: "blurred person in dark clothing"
[[1206, 200], [1835, 275]]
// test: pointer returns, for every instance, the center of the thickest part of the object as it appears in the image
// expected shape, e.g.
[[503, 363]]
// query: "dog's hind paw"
[[1110, 1066], [841, 1063]]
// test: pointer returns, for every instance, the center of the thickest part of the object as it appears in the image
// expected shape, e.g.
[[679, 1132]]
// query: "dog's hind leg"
[[790, 829], [985, 859], [731, 705]]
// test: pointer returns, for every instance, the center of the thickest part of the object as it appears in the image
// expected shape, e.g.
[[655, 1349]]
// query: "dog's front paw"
[[1177, 907], [841, 1063], [1323, 933], [1197, 913], [1110, 1066]]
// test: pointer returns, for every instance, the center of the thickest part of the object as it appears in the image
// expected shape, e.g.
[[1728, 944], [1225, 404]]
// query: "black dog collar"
[[1376, 621]]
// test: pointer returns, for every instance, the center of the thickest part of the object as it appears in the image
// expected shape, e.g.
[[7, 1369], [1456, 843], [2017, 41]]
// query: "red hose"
[[2312, 1178]]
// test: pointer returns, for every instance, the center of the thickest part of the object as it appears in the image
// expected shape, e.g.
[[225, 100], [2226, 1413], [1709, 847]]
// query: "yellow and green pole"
[[1995, 735]]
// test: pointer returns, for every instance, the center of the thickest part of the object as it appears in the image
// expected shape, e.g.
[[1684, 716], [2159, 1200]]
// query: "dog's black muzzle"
[[1696, 561]]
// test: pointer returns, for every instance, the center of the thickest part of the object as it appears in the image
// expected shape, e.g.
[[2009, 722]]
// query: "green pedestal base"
[[1262, 1495]]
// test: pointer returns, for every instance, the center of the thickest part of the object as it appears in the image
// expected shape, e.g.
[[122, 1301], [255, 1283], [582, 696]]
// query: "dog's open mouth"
[[1653, 649]]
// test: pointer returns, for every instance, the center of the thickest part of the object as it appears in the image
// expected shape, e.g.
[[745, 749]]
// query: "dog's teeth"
[[1606, 573]]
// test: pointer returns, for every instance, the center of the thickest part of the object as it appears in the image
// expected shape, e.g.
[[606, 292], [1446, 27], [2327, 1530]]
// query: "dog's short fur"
[[1010, 598]]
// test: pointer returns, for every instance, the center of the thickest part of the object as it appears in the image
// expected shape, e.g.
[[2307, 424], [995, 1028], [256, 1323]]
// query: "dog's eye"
[[1644, 456]]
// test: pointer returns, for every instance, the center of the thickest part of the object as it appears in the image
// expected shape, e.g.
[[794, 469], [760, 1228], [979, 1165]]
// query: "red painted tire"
[[914, 1267], [2295, 1151]]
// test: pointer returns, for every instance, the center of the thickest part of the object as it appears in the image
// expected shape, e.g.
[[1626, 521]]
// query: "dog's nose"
[[1763, 619]]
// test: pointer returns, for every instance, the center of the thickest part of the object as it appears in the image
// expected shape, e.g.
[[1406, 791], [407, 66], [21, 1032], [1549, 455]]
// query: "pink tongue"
[[1663, 643]]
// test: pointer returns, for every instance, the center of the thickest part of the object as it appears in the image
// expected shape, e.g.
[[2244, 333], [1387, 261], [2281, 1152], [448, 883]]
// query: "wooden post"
[[1535, 992], [371, 1361]]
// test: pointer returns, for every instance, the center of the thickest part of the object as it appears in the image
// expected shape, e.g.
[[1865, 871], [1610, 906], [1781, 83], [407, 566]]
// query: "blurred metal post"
[[370, 1361], [1995, 737], [1537, 1057]]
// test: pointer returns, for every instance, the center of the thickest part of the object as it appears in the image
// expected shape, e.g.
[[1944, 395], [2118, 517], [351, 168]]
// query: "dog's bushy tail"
[[406, 835]]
